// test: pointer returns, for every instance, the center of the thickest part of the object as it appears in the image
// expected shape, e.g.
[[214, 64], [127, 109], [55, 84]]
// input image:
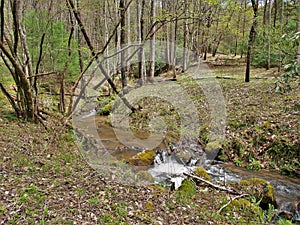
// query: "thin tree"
[[298, 30], [140, 22], [122, 41], [18, 60], [252, 35], [152, 42]]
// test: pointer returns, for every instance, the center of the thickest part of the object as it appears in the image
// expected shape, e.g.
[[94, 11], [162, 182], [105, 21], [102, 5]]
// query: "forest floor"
[[45, 180]]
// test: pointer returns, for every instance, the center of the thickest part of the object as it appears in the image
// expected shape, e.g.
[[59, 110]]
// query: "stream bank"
[[168, 170]]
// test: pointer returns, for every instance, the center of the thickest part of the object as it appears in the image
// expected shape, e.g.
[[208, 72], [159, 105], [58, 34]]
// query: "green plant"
[[186, 190], [94, 201], [254, 164], [121, 210], [237, 162], [283, 83]]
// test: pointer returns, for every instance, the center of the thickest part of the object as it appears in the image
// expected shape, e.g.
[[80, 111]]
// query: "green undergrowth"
[[262, 125], [45, 180]]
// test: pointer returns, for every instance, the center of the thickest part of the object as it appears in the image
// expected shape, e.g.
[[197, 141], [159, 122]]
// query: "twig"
[[212, 184], [225, 77], [228, 203]]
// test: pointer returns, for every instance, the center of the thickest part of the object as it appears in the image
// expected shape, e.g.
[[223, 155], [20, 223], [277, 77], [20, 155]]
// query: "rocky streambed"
[[187, 155]]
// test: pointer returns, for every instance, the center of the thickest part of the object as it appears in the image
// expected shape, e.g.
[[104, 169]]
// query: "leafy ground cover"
[[45, 180]]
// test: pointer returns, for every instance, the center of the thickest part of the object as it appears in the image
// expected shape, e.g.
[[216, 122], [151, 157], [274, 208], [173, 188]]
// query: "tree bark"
[[122, 42], [152, 42], [298, 30], [269, 36], [251, 40], [185, 37], [140, 22], [95, 55]]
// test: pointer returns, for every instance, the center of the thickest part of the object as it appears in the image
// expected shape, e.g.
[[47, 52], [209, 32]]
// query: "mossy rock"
[[145, 176], [242, 208], [144, 158], [212, 149], [187, 189], [201, 172], [262, 190]]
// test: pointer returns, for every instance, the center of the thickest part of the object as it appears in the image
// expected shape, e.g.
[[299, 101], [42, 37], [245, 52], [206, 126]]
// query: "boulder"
[[145, 176], [201, 172], [262, 190], [242, 208], [188, 151], [144, 158], [212, 149]]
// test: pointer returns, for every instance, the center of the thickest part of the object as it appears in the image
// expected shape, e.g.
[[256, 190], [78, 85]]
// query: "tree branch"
[[212, 184]]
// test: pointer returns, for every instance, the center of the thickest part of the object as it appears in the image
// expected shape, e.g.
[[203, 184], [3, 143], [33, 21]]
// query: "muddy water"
[[107, 135]]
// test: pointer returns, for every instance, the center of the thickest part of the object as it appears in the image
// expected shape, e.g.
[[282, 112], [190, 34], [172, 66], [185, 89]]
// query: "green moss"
[[201, 172], [261, 189], [243, 209], [144, 158], [186, 190], [145, 175]]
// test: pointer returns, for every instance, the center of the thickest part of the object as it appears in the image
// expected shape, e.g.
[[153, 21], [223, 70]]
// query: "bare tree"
[[251, 39], [152, 42], [16, 56]]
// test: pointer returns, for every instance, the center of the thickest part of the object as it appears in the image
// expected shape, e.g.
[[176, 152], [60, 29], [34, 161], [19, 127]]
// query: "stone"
[[242, 208], [201, 172], [144, 158], [145, 176], [212, 149], [262, 190]]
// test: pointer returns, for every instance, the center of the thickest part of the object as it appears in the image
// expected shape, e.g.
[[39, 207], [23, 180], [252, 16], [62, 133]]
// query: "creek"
[[166, 169]]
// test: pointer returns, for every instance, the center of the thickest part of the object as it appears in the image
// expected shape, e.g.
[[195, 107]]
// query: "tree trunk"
[[244, 25], [298, 30], [185, 37], [251, 40], [122, 42], [275, 13], [128, 28], [140, 22], [152, 43], [20, 67], [269, 36]]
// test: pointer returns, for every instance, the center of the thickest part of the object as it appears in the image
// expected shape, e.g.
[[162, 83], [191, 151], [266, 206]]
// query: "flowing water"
[[167, 169]]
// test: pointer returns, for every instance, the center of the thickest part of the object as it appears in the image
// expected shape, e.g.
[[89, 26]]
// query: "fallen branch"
[[225, 77], [212, 184], [228, 203], [264, 78]]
